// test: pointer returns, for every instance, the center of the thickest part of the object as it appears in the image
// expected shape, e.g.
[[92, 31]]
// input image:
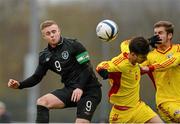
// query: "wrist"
[[151, 68]]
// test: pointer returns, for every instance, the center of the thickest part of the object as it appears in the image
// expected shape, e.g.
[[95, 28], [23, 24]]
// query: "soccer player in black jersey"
[[68, 58]]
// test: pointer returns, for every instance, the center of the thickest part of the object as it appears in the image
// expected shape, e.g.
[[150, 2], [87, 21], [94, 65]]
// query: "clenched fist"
[[13, 84]]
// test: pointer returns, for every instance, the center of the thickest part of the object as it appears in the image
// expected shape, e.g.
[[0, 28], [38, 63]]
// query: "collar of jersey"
[[165, 51]]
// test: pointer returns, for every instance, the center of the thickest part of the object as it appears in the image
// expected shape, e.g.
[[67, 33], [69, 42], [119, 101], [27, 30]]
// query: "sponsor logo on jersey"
[[169, 55], [177, 112], [47, 59], [65, 55]]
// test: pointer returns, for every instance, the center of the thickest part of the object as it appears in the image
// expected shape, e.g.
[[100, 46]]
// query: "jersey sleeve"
[[82, 57], [80, 52], [111, 65], [36, 77], [170, 62], [124, 46]]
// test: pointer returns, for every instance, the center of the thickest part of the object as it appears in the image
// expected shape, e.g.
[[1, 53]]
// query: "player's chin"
[[54, 42]]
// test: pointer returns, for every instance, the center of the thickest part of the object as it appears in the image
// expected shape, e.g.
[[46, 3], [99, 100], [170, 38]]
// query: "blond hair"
[[47, 23]]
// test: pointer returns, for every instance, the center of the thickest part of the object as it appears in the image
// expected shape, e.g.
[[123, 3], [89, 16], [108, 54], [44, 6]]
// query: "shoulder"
[[177, 47], [75, 45], [44, 55], [44, 51], [124, 46], [120, 59], [70, 40], [152, 53]]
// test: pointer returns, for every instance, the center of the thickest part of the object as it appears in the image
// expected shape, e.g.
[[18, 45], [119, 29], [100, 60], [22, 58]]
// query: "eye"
[[47, 33], [54, 31]]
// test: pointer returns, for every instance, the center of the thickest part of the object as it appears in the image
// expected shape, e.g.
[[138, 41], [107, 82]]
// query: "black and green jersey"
[[69, 59]]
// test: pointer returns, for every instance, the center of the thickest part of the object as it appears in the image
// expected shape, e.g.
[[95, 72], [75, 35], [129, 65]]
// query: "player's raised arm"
[[173, 61]]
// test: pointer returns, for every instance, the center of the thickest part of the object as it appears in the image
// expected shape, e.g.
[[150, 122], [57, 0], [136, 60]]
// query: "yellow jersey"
[[167, 73], [124, 78], [172, 61], [124, 46]]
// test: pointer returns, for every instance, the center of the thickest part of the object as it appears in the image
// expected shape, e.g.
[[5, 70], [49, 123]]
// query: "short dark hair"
[[169, 27], [139, 45]]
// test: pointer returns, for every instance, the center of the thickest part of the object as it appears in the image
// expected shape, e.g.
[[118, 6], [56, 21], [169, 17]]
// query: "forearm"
[[30, 82], [169, 63], [83, 78]]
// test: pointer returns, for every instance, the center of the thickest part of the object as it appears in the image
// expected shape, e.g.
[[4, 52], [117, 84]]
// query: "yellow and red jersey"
[[124, 46], [172, 61], [167, 73], [124, 78]]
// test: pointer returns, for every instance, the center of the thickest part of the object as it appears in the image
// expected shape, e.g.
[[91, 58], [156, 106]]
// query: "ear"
[[59, 31], [43, 35], [170, 35], [133, 54]]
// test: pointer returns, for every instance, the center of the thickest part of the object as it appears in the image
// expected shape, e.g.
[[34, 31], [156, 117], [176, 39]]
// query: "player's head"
[[50, 32], [165, 30], [139, 48]]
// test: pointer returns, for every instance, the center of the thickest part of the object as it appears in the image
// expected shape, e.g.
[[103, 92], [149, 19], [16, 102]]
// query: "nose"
[[52, 35]]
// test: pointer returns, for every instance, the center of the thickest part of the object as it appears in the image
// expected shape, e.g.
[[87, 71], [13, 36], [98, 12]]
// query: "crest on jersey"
[[47, 59], [169, 55], [65, 54]]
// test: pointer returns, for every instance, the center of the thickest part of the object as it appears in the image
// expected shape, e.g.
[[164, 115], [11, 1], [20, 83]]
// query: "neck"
[[53, 45], [164, 47], [130, 58]]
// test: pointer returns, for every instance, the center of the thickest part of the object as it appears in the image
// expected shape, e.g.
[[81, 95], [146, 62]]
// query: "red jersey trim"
[[152, 78], [163, 52], [116, 77]]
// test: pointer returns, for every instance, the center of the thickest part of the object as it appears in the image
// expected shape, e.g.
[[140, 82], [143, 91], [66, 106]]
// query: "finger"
[[72, 96], [13, 83], [11, 80], [78, 97], [75, 98], [9, 84]]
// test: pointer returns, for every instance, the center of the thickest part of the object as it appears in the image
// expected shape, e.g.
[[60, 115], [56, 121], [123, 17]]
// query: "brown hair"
[[169, 27], [47, 23], [139, 45]]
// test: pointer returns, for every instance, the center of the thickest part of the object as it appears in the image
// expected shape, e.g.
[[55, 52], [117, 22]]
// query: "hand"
[[145, 68], [154, 40], [103, 73], [76, 95], [13, 84]]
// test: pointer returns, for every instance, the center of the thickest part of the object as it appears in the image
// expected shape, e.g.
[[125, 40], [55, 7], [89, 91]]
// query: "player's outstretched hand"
[[13, 84], [76, 95], [154, 40]]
